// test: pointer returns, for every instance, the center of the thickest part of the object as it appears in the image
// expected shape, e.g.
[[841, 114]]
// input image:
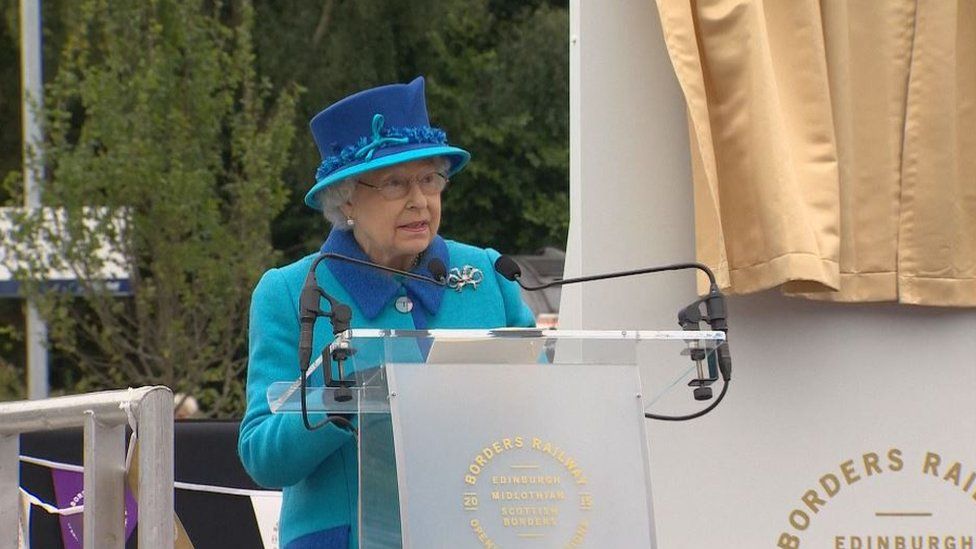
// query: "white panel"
[[628, 144], [570, 297], [815, 384]]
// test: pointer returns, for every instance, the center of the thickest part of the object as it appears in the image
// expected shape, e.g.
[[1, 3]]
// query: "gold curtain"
[[833, 144]]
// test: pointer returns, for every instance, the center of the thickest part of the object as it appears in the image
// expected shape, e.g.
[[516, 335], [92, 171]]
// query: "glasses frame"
[[382, 189]]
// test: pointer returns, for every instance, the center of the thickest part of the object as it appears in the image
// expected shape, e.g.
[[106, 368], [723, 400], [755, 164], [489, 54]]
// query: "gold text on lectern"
[[888, 524], [498, 447], [527, 488]]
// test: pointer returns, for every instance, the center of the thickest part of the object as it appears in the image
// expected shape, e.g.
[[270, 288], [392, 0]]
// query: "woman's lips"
[[419, 226]]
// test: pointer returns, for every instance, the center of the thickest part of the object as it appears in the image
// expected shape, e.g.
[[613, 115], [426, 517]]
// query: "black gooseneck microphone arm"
[[435, 266], [340, 316], [689, 318], [507, 267]]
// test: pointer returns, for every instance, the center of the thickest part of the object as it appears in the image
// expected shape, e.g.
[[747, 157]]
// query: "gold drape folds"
[[833, 144]]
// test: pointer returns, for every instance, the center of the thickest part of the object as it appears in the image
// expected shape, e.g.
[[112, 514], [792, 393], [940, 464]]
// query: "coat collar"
[[373, 289]]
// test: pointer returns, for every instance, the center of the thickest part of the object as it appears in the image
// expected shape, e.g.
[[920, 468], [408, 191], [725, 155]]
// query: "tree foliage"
[[505, 88], [11, 379], [162, 144]]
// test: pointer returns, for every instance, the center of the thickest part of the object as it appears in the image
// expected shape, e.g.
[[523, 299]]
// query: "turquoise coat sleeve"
[[276, 449]]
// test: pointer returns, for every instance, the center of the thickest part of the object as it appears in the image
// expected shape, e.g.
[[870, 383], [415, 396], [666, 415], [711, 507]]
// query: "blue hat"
[[377, 128]]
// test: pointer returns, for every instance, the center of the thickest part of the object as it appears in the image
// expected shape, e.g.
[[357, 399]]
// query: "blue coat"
[[318, 469]]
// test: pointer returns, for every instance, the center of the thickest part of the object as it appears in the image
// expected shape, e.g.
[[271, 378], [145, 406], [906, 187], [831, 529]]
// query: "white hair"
[[334, 196]]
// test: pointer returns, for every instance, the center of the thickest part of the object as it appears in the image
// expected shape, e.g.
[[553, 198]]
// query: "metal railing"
[[104, 416]]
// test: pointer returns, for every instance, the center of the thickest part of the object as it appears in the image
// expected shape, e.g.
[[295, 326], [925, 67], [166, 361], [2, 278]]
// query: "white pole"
[[31, 101]]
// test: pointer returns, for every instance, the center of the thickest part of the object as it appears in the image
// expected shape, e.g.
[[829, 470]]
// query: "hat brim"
[[457, 157]]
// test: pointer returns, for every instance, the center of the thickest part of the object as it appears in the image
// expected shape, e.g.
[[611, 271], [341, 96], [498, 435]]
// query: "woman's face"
[[393, 231]]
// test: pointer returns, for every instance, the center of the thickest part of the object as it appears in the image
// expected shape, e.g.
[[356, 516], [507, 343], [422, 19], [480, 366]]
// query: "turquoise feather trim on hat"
[[377, 128]]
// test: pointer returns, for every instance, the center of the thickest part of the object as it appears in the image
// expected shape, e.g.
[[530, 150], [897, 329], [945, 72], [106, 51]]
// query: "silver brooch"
[[465, 276]]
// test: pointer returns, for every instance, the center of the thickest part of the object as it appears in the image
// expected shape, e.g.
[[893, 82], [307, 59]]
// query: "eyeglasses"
[[430, 184]]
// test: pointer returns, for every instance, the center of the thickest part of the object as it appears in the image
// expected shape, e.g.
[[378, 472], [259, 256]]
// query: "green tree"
[[11, 377], [164, 145], [504, 84], [9, 95], [54, 16]]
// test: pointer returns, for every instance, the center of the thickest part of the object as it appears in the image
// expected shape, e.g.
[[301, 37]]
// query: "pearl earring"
[[350, 222]]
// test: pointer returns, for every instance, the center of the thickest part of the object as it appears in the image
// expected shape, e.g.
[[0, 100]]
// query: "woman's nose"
[[416, 198]]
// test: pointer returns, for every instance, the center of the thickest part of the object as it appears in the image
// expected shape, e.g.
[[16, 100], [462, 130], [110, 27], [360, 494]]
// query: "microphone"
[[340, 316], [508, 268], [435, 266], [308, 311], [438, 270], [715, 316], [714, 302]]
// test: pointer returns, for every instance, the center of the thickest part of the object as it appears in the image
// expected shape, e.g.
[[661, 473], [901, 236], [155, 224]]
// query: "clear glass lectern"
[[503, 438]]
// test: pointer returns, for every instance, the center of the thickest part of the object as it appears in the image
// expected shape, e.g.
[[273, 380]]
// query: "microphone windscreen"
[[437, 269], [507, 267]]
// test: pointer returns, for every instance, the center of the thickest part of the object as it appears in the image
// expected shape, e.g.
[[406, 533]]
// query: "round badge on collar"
[[404, 304]]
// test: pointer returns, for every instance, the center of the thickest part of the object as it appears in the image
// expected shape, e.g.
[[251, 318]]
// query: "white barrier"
[[149, 411]]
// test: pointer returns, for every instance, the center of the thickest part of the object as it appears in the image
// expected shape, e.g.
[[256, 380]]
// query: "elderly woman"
[[383, 171]]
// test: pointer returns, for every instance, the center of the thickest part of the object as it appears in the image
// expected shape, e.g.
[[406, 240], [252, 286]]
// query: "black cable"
[[338, 420], [340, 315], [503, 269], [436, 267], [700, 413], [689, 317], [309, 311]]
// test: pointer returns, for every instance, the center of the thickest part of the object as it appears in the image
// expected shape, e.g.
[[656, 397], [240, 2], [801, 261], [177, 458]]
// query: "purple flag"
[[69, 492]]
